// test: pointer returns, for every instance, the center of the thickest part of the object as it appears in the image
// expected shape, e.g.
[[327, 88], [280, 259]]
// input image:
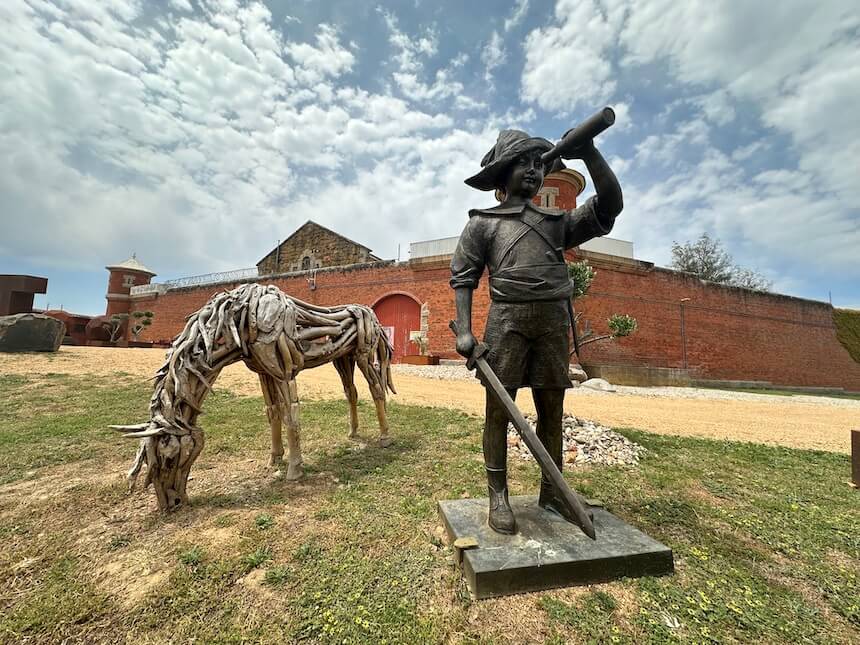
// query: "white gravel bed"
[[460, 373], [585, 442], [440, 372]]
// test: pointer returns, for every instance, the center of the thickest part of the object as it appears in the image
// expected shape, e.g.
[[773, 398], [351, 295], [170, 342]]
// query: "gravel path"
[[810, 422], [460, 373]]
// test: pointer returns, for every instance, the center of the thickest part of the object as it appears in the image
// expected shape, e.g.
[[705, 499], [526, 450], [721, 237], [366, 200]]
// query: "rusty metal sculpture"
[[276, 336]]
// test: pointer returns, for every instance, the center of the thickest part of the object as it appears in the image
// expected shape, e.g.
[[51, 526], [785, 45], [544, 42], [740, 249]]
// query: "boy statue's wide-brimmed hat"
[[510, 145]]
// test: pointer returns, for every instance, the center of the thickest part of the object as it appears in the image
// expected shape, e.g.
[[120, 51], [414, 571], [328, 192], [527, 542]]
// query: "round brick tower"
[[560, 189], [123, 277]]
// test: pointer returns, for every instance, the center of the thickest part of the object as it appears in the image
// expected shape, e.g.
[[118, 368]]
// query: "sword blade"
[[568, 497]]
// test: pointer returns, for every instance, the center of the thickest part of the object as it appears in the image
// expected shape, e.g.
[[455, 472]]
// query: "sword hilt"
[[479, 350]]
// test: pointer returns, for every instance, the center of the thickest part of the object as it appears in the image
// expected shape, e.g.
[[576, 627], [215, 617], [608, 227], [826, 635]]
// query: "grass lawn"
[[767, 540]]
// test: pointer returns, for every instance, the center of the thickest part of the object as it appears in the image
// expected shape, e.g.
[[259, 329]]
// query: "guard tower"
[[123, 277]]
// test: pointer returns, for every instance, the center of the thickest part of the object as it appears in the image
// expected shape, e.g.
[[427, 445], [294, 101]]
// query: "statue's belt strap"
[[533, 221], [524, 283]]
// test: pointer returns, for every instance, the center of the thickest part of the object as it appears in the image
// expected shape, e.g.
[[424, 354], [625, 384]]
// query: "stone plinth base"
[[548, 552]]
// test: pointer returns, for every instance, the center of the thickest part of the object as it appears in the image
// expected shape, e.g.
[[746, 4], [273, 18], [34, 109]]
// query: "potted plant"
[[423, 357]]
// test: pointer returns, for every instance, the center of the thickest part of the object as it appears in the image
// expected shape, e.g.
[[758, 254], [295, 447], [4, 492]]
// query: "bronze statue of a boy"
[[528, 326]]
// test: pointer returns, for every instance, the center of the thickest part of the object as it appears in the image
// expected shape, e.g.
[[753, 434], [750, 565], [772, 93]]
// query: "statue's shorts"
[[529, 343]]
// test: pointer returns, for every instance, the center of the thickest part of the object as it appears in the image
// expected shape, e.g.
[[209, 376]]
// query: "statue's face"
[[525, 176]]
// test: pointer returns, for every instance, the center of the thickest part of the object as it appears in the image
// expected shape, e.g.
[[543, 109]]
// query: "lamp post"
[[683, 331]]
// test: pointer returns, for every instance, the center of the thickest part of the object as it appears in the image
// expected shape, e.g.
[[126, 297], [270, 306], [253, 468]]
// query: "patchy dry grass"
[[767, 540]]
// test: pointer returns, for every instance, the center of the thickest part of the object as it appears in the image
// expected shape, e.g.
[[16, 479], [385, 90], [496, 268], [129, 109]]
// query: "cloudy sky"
[[198, 132]]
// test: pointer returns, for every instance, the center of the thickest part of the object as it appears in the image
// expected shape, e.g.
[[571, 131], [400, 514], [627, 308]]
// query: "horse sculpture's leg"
[[290, 397], [384, 439], [345, 367], [378, 395], [274, 411]]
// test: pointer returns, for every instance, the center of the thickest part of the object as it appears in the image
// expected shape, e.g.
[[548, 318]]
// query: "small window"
[[306, 263]]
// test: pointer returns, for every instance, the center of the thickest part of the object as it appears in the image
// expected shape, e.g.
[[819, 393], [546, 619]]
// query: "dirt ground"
[[809, 424]]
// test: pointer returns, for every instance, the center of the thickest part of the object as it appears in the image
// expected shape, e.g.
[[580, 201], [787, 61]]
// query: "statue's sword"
[[569, 498]]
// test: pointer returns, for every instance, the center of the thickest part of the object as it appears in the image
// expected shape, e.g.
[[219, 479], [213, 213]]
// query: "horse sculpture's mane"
[[276, 336]]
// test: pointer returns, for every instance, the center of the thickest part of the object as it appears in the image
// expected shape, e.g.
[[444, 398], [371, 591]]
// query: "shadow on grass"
[[341, 464]]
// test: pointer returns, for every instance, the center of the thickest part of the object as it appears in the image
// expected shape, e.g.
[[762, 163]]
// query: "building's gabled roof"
[[132, 264], [327, 230]]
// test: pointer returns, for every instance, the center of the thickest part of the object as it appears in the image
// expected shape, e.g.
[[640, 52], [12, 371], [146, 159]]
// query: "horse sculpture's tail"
[[276, 336]]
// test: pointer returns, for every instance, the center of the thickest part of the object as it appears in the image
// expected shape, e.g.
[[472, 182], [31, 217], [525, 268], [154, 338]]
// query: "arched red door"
[[399, 314]]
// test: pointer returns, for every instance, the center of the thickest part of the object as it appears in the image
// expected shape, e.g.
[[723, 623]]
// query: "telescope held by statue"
[[581, 134]]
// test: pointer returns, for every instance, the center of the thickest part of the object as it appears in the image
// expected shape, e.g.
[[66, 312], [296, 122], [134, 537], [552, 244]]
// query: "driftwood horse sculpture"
[[276, 336]]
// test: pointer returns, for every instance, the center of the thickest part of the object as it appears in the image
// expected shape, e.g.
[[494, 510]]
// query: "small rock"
[[576, 373], [464, 543], [599, 384]]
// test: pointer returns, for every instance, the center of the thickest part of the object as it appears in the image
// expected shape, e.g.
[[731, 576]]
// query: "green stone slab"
[[548, 552]]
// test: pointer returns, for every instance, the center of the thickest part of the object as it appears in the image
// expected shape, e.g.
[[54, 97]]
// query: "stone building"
[[313, 246]]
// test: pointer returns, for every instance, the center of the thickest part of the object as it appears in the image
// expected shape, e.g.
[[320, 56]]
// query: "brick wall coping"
[[362, 266], [638, 265], [731, 288]]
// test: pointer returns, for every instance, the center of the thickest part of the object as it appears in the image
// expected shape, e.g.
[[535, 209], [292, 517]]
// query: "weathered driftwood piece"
[[276, 336]]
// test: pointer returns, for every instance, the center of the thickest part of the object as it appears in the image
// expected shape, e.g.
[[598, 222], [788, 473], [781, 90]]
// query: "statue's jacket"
[[522, 248]]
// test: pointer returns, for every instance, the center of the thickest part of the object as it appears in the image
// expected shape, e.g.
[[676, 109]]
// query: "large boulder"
[[30, 333]]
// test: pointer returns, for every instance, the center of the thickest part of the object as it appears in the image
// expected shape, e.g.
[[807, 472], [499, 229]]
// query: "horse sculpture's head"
[[168, 453]]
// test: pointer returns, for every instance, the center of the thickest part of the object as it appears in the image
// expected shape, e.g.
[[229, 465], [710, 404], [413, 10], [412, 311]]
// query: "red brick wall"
[[730, 333], [364, 285]]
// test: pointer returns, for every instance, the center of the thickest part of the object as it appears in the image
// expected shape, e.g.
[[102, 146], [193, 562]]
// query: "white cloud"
[[410, 56], [717, 107], [492, 55], [442, 87], [410, 51], [181, 5], [568, 62], [201, 141], [792, 67], [800, 84], [666, 148], [327, 59], [521, 7]]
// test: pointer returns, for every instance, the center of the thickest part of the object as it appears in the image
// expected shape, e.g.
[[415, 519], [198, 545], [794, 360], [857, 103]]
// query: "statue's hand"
[[585, 150], [466, 344]]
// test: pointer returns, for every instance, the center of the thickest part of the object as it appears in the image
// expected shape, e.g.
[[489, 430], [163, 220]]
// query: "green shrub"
[[847, 323]]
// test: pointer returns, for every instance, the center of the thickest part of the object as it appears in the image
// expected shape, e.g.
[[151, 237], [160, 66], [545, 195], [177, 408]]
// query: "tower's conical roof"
[[132, 264]]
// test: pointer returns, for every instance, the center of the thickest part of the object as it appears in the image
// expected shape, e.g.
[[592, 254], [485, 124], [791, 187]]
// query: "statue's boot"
[[549, 498], [501, 517], [549, 501]]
